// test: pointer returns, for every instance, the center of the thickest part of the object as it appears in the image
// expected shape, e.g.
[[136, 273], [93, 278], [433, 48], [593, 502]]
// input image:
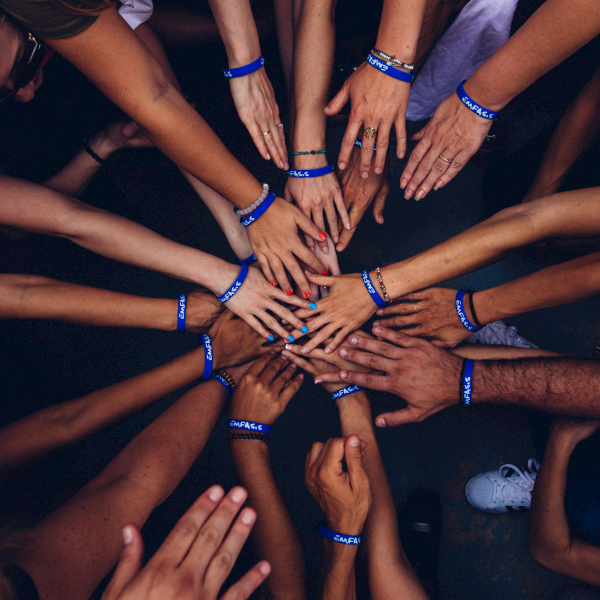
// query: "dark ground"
[[482, 556]]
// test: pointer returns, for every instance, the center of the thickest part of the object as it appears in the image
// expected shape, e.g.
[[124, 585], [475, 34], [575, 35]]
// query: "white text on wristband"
[[340, 538], [236, 285], [208, 355], [472, 105], [351, 389], [371, 289], [249, 425], [181, 314]]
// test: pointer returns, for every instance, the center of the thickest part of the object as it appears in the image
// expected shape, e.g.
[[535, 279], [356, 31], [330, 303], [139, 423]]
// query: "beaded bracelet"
[[245, 70], [466, 382], [246, 211], [235, 286], [87, 148], [340, 538], [225, 379], [461, 311], [261, 437], [472, 105], [257, 212], [371, 289], [345, 391], [382, 286], [391, 60], [181, 314], [250, 425], [391, 71], [309, 152], [208, 355], [312, 172]]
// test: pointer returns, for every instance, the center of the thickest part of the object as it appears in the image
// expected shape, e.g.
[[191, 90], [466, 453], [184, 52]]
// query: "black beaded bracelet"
[[261, 437], [87, 148], [472, 306]]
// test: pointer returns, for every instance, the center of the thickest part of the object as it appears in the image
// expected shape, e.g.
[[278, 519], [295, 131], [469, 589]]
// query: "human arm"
[[556, 30], [77, 174], [577, 129], [234, 342], [260, 395], [550, 541]]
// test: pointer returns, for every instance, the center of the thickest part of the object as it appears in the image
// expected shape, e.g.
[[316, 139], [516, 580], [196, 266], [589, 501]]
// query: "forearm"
[[389, 569], [497, 352], [274, 531], [338, 579], [400, 27], [33, 297], [561, 215], [568, 282], [67, 422], [556, 30], [563, 385]]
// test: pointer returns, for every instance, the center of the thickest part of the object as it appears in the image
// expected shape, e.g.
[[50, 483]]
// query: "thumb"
[[419, 134], [130, 129], [129, 563], [337, 102], [354, 459], [379, 205], [321, 280]]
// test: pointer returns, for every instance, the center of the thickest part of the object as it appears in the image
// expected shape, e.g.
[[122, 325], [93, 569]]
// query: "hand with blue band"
[[460, 310], [472, 105], [235, 286], [389, 70], [372, 290], [246, 69], [340, 538], [311, 172], [259, 211], [181, 314]]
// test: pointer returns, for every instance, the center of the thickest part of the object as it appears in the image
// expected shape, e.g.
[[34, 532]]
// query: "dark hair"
[[89, 8]]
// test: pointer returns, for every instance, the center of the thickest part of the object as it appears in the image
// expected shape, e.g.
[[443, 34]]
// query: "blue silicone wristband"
[[257, 212], [369, 285], [208, 355], [345, 391], [466, 383], [181, 314], [340, 538], [235, 286], [472, 105], [249, 425], [248, 261], [389, 69], [245, 70], [224, 383], [311, 172], [461, 311]]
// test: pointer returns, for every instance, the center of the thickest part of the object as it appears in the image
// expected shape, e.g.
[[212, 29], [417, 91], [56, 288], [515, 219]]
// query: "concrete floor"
[[482, 556]]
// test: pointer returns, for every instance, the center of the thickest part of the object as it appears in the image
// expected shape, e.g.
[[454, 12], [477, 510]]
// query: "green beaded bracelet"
[[310, 152]]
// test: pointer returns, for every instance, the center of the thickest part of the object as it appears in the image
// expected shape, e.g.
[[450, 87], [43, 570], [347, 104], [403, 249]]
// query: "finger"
[[129, 563], [332, 459], [338, 199], [414, 160], [317, 353], [366, 380], [310, 259], [319, 338], [438, 169], [280, 275], [272, 146], [354, 462], [260, 364], [356, 214], [290, 317], [405, 321], [266, 269], [258, 327], [337, 102], [259, 140], [317, 216], [303, 364], [396, 337], [459, 161], [337, 340], [272, 323], [398, 417], [284, 376], [244, 588], [370, 345], [296, 271], [222, 562], [272, 369], [354, 125], [379, 205], [311, 458], [383, 143], [291, 388], [366, 150]]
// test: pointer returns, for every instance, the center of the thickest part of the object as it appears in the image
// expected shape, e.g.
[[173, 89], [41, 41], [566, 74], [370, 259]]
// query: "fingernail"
[[215, 493], [291, 338], [322, 236], [343, 352], [343, 374], [284, 354], [348, 225], [274, 283], [271, 338], [127, 536], [268, 156], [288, 347], [283, 322], [265, 568], [312, 306], [377, 329], [318, 381], [307, 294], [325, 250], [378, 170], [327, 350], [407, 195], [304, 329], [375, 324], [323, 272], [403, 183], [304, 350], [379, 311], [248, 517], [364, 175], [420, 195], [238, 495], [289, 292], [381, 423], [353, 340], [336, 239], [355, 441], [435, 188], [301, 376], [339, 247], [342, 165], [401, 155]]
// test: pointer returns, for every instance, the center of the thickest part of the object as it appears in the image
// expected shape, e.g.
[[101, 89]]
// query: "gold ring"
[[279, 126], [415, 308], [266, 133], [370, 133], [448, 160]]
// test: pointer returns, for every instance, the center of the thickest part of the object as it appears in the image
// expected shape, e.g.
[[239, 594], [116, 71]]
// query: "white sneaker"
[[506, 490], [501, 334]]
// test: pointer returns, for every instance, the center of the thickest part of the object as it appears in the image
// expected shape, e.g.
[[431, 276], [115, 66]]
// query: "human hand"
[[276, 242], [195, 559], [378, 101], [359, 193], [332, 267], [454, 132], [344, 496], [234, 341], [433, 311], [255, 103], [125, 134], [202, 310], [317, 195], [425, 376], [265, 390], [573, 431]]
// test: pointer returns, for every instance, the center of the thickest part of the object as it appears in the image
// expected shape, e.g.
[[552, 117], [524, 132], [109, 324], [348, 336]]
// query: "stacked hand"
[[195, 559], [201, 311]]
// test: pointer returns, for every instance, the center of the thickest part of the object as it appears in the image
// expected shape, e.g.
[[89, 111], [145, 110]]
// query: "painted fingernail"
[[343, 352], [274, 283], [312, 306], [403, 183], [304, 329], [248, 516], [291, 338], [323, 272], [353, 340], [381, 423], [127, 536], [216, 493], [342, 165], [322, 236], [289, 292], [238, 495], [307, 294], [288, 346], [420, 195], [435, 188]]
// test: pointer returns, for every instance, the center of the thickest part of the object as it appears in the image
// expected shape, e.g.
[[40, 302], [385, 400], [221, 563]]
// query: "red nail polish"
[[324, 273], [289, 292], [307, 294], [274, 283], [322, 236]]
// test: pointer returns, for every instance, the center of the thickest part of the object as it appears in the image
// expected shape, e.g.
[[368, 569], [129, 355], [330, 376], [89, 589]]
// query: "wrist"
[[484, 97], [484, 307], [310, 161], [391, 45], [242, 46], [102, 145], [348, 524]]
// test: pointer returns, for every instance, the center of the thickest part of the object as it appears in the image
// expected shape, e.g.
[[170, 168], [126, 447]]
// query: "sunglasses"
[[26, 68]]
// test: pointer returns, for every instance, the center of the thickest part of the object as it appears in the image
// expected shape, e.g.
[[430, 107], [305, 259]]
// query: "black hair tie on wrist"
[[472, 306], [87, 148]]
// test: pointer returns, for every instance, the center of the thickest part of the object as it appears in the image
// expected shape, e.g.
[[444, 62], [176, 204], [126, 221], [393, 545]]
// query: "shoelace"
[[513, 491]]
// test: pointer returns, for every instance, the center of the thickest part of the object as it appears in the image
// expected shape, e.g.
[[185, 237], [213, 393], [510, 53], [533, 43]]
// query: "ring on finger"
[[279, 126], [370, 133], [266, 133], [448, 160], [415, 308]]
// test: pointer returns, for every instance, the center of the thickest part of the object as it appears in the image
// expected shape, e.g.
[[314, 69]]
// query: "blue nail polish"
[[291, 338], [271, 338], [304, 329], [312, 306]]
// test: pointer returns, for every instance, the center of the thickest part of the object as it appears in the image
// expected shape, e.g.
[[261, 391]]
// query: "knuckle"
[[223, 559], [187, 527], [437, 168], [209, 535]]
